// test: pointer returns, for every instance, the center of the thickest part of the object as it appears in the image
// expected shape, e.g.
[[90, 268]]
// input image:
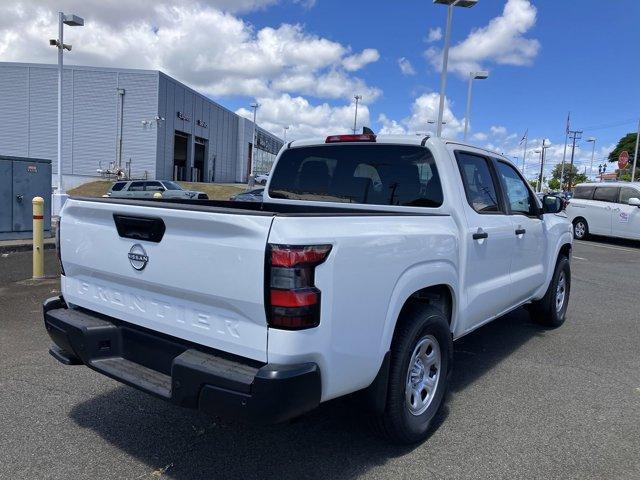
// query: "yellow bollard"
[[38, 237], [157, 195]]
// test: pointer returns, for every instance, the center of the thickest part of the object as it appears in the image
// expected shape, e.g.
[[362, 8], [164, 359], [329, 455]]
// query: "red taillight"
[[293, 301], [362, 137], [286, 256]]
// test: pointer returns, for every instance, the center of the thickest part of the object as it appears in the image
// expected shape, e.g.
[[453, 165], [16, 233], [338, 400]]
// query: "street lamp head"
[[72, 20], [480, 75], [53, 42], [457, 3]]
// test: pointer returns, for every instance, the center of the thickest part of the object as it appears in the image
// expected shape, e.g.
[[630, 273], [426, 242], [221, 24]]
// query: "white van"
[[611, 209]]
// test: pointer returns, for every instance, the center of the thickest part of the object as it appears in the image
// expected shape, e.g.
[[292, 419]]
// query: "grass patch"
[[216, 191]]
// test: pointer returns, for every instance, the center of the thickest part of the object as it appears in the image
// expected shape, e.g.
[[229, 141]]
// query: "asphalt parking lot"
[[525, 402]]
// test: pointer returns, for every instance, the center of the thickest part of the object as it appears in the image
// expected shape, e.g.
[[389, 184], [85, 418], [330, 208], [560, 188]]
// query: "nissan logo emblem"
[[138, 257]]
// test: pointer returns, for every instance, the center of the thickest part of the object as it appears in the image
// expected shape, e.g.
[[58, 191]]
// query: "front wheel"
[[420, 368], [580, 229], [551, 310]]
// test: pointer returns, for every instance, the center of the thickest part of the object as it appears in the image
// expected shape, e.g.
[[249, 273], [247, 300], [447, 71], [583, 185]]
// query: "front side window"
[[520, 197], [606, 194], [403, 175], [626, 193], [478, 182], [171, 185]]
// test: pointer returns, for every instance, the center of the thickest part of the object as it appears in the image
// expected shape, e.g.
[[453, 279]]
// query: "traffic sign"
[[623, 160]]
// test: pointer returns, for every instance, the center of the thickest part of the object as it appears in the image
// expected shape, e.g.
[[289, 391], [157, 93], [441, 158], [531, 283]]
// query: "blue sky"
[[303, 60]]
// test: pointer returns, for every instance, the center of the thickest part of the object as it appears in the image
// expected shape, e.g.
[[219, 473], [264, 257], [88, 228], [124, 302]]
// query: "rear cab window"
[[404, 175]]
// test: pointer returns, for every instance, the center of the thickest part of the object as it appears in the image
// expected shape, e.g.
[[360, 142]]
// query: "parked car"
[[368, 257], [262, 178], [607, 208], [147, 188], [254, 195]]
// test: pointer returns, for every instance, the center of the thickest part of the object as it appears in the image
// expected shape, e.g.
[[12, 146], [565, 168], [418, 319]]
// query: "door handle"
[[520, 231], [480, 235]]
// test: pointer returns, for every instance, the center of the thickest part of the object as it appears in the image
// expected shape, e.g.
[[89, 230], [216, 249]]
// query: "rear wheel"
[[420, 368], [551, 310], [580, 229]]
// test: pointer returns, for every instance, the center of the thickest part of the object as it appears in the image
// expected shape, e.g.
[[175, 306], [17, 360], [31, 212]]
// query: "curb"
[[24, 247]]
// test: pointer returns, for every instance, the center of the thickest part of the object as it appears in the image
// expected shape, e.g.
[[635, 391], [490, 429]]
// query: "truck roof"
[[395, 139]]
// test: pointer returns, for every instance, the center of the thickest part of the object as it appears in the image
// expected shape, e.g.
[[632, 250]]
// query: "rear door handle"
[[480, 235], [521, 231]]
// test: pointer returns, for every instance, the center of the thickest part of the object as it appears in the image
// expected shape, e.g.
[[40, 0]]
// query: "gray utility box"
[[21, 179]]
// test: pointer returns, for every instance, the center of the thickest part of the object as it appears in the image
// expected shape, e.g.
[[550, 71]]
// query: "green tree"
[[626, 143], [569, 170], [554, 184]]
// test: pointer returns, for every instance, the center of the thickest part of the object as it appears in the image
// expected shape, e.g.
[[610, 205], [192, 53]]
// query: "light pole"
[[255, 106], [445, 52], [472, 76], [635, 157], [284, 133], [355, 118], [72, 21], [593, 152], [542, 150]]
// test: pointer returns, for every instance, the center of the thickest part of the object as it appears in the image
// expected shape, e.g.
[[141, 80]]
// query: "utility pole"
[[635, 157], [355, 118], [284, 131], [574, 135]]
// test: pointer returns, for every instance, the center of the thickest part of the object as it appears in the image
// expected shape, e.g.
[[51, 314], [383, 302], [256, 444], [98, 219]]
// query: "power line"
[[604, 126]]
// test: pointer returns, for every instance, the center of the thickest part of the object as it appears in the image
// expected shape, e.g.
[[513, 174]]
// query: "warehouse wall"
[[28, 98], [221, 130]]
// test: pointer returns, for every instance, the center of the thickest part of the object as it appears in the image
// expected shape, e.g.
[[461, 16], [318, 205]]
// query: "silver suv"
[[147, 188]]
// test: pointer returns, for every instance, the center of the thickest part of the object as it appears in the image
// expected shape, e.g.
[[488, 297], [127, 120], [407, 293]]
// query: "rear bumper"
[[178, 371]]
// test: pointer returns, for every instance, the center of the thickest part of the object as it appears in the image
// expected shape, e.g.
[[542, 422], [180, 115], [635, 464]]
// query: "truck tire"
[[551, 310], [580, 229], [420, 369]]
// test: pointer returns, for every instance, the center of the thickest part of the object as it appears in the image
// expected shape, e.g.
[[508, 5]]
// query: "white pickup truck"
[[367, 258]]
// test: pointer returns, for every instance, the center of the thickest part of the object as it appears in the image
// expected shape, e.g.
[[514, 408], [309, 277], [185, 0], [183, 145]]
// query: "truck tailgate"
[[203, 281]]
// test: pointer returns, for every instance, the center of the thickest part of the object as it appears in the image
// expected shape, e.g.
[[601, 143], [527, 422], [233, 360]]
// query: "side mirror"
[[552, 204], [634, 202], [161, 189]]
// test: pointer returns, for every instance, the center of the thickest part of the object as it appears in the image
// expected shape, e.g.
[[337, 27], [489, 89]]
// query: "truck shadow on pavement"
[[333, 441]]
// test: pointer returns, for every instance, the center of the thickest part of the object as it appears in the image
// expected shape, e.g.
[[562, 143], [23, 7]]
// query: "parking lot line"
[[595, 244]]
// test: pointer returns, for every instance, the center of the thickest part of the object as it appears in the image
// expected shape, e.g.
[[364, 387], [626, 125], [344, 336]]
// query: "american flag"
[[524, 137]]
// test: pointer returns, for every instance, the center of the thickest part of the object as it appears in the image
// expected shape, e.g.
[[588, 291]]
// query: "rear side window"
[[606, 194], [153, 186], [136, 186], [478, 182], [368, 174], [584, 192], [626, 193], [116, 187]]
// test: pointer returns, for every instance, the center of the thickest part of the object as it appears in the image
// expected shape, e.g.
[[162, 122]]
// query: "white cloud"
[[305, 119], [479, 137], [435, 34], [405, 66], [198, 42], [498, 130], [359, 60], [501, 42], [423, 111]]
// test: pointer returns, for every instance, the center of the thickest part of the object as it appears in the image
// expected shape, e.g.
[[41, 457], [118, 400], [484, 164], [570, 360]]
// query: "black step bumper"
[[178, 371]]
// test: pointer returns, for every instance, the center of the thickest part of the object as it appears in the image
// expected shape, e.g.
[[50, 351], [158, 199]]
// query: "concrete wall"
[[28, 100]]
